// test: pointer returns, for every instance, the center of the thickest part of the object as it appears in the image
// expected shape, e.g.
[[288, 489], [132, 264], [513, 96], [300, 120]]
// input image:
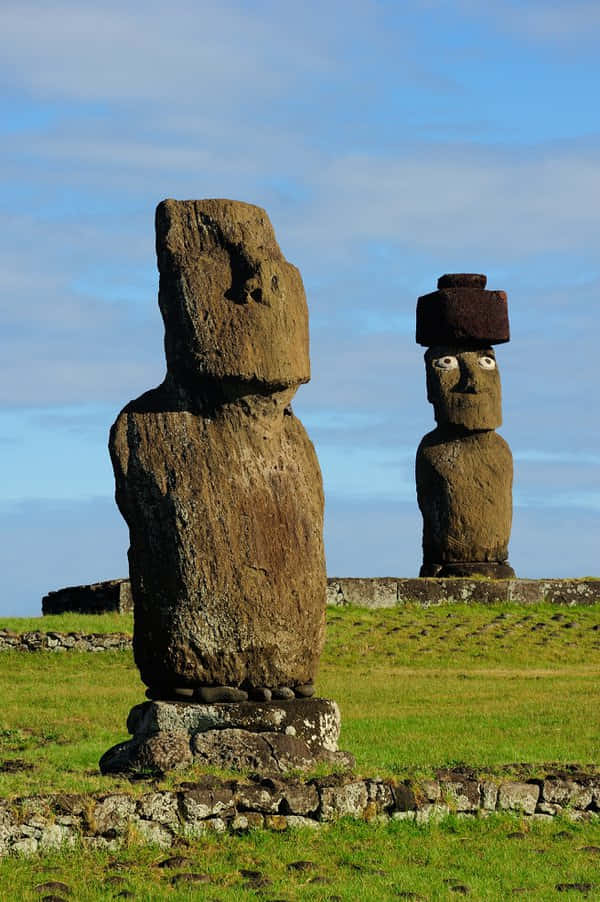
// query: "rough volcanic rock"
[[264, 737], [316, 720], [464, 490], [156, 753], [263, 753], [461, 310], [234, 308], [462, 280], [215, 476]]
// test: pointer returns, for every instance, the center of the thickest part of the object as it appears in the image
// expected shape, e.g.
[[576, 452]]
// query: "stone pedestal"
[[264, 737]]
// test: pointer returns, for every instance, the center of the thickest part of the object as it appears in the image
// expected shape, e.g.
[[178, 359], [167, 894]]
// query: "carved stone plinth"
[[265, 737]]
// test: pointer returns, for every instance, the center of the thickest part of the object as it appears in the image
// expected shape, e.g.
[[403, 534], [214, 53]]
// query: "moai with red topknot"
[[464, 469]]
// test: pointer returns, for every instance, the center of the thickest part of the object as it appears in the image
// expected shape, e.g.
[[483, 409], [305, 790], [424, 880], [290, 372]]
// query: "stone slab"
[[314, 720], [262, 737], [378, 592]]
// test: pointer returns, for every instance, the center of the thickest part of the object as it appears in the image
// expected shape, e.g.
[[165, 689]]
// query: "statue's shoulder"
[[430, 440], [498, 441], [155, 400], [151, 402], [501, 448]]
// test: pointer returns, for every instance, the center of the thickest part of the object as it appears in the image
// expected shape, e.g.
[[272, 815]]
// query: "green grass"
[[486, 685], [493, 859], [67, 623], [418, 689]]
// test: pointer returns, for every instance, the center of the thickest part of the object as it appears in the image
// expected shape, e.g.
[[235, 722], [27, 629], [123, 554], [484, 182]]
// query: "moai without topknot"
[[221, 489], [464, 469]]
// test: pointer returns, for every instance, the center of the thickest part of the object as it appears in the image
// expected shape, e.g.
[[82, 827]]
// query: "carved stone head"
[[458, 324], [234, 308], [463, 384]]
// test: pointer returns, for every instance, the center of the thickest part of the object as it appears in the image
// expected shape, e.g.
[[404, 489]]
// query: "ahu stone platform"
[[96, 598], [368, 592], [388, 592]]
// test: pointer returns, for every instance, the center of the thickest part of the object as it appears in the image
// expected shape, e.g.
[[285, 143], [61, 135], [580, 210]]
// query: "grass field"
[[418, 688], [494, 859], [66, 623]]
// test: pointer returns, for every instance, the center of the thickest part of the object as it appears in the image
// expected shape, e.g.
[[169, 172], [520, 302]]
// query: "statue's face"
[[464, 387], [234, 308]]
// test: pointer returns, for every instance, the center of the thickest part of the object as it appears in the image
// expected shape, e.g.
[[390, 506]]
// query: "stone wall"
[[387, 592], [51, 641], [375, 592], [111, 595], [41, 822]]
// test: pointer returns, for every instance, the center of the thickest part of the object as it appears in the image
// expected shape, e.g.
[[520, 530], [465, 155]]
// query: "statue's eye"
[[446, 363], [487, 363]]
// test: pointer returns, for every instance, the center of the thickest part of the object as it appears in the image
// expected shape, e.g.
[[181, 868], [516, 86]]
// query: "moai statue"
[[463, 468], [220, 485]]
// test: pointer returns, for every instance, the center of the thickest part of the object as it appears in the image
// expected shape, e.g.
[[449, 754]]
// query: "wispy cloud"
[[200, 53]]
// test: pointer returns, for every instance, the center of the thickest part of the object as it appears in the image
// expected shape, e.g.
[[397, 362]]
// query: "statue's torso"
[[226, 555], [464, 490]]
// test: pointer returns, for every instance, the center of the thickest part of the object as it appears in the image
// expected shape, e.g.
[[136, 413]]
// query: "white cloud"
[[494, 202], [207, 53], [461, 200]]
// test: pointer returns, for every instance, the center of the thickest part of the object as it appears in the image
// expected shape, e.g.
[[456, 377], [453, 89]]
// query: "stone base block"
[[265, 737], [314, 720]]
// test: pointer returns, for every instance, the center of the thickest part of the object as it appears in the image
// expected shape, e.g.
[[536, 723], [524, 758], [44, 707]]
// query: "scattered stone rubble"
[[28, 825]]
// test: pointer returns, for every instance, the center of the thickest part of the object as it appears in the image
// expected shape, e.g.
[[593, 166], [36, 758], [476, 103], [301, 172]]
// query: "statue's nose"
[[468, 378]]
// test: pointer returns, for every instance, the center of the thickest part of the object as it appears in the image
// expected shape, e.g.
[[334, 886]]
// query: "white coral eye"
[[487, 363], [446, 363]]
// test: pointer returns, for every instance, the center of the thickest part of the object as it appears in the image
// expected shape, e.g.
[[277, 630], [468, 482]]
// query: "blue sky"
[[389, 142]]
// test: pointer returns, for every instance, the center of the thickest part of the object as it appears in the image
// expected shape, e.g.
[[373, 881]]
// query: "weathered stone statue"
[[221, 490], [463, 468], [216, 478]]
